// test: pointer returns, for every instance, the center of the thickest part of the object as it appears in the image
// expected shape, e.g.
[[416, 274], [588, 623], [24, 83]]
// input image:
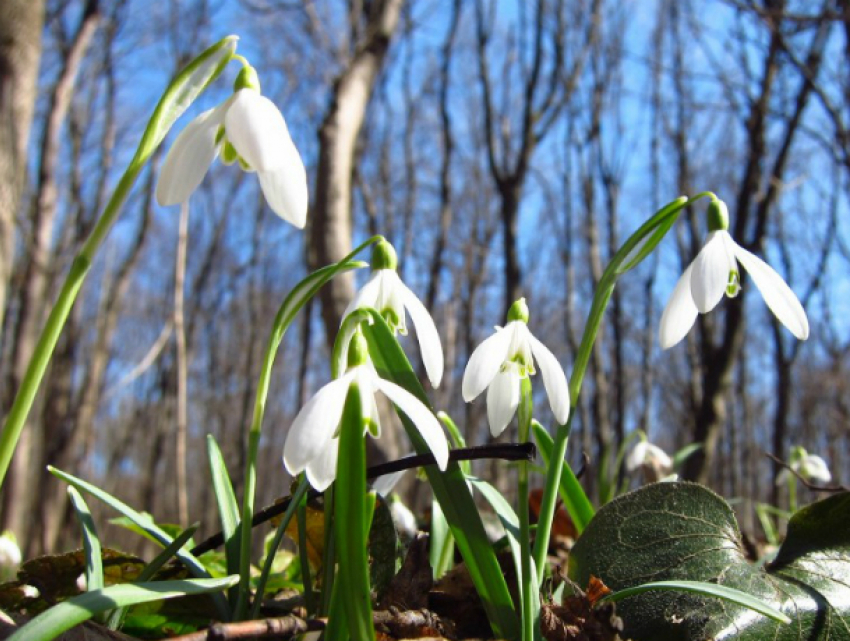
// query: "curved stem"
[[182, 91], [639, 245], [296, 299]]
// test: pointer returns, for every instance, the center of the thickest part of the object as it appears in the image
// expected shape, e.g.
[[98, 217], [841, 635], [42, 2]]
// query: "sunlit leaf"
[[685, 532]]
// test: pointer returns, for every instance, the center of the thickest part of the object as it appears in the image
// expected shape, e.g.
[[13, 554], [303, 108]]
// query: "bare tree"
[[372, 26], [36, 266], [762, 173], [20, 51], [546, 80]]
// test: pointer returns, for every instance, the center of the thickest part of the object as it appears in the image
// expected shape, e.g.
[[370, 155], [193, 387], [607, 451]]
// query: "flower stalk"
[[639, 245], [182, 91], [530, 618], [296, 299]]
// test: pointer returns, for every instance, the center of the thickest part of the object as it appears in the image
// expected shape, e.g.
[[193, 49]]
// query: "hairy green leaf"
[[685, 532]]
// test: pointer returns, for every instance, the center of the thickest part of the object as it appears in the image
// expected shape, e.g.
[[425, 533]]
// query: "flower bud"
[[718, 215], [384, 256], [518, 311], [358, 350], [247, 79]]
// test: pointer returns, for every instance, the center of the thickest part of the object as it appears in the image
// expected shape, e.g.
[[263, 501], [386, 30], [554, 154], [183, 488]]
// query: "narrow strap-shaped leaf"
[[91, 542], [506, 514], [441, 542], [708, 589], [572, 494], [352, 520], [228, 508], [64, 616], [148, 572], [291, 305], [303, 486], [510, 521], [450, 489], [146, 524]]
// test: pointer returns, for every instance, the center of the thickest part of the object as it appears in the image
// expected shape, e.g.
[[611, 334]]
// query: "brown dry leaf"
[[579, 619], [315, 533], [562, 525]]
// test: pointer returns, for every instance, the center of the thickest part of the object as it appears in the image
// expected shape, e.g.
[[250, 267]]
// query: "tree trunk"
[[20, 52], [23, 483], [331, 217]]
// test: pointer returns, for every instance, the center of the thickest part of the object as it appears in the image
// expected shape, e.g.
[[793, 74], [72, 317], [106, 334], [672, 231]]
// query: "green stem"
[[329, 556], [182, 91], [304, 558], [527, 582], [294, 502], [638, 246], [296, 299]]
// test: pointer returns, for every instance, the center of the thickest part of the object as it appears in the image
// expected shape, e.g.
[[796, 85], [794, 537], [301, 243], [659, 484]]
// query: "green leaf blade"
[[53, 622], [572, 494], [683, 532], [145, 523], [91, 541], [449, 488]]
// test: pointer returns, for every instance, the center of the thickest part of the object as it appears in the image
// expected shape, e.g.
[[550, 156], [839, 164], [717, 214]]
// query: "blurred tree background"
[[505, 148]]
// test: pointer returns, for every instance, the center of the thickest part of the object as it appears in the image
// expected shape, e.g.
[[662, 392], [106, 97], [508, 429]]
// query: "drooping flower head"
[[10, 552], [502, 360], [810, 466], [312, 441], [391, 298], [246, 128], [646, 455], [714, 272]]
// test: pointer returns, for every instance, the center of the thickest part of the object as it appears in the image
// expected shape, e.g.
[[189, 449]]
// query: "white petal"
[[189, 158], [656, 456], [321, 471], [502, 401], [426, 333], [710, 273], [367, 296], [385, 484], [312, 430], [554, 379], [365, 376], [427, 424], [776, 293], [485, 363], [680, 313], [285, 189], [814, 468], [257, 130], [391, 297], [636, 457]]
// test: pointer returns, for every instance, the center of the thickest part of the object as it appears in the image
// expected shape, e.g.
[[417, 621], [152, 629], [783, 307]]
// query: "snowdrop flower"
[[312, 441], [247, 128], [810, 466], [390, 297], [647, 454], [501, 361], [10, 553], [714, 272]]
